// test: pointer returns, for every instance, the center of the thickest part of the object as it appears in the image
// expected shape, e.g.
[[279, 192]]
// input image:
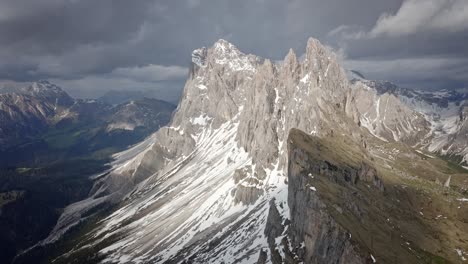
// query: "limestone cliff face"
[[344, 207], [309, 95], [313, 234]]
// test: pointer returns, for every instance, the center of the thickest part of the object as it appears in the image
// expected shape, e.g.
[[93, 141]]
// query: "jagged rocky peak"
[[225, 82], [267, 98], [29, 88], [315, 53], [264, 99], [224, 48], [42, 87], [216, 88], [290, 62], [48, 91], [225, 54]]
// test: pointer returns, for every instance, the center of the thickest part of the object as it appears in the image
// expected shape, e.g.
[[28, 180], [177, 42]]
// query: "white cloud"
[[421, 16], [348, 32], [414, 16], [152, 73]]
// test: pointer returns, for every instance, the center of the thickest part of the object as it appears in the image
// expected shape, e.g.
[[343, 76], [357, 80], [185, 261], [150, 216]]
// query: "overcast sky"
[[90, 46]]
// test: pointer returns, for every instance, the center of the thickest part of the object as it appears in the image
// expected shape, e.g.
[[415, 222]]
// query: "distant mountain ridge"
[[434, 120], [40, 90], [50, 146], [27, 111]]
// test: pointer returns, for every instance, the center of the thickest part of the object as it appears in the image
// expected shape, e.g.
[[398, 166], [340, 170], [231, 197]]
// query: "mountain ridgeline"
[[287, 162], [50, 146], [41, 123]]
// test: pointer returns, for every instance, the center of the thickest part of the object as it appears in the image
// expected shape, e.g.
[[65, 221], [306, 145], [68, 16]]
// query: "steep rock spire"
[[290, 61]]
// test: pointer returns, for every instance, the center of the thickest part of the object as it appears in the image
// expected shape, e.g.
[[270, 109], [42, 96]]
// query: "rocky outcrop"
[[249, 187], [367, 173], [313, 234]]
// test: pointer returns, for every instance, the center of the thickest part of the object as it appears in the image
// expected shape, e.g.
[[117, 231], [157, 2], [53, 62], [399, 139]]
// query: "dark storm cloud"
[[90, 46], [64, 38], [54, 27]]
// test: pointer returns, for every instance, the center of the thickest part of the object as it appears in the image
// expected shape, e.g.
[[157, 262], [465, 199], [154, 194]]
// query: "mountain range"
[[50, 145], [280, 162], [42, 114]]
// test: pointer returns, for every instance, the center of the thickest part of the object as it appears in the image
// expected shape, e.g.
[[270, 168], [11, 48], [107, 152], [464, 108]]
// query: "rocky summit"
[[281, 162]]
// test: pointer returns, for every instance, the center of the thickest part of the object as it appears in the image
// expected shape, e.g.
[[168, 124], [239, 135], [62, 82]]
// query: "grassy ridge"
[[415, 220]]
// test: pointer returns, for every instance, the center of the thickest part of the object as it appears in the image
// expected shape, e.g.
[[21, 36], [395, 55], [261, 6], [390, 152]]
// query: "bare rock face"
[[275, 227], [313, 231], [369, 174], [264, 98], [293, 94], [315, 236]]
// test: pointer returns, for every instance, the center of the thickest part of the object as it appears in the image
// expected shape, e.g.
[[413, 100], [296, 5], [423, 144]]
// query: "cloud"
[[78, 37], [417, 16], [421, 44], [53, 27], [348, 32], [413, 17], [152, 73]]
